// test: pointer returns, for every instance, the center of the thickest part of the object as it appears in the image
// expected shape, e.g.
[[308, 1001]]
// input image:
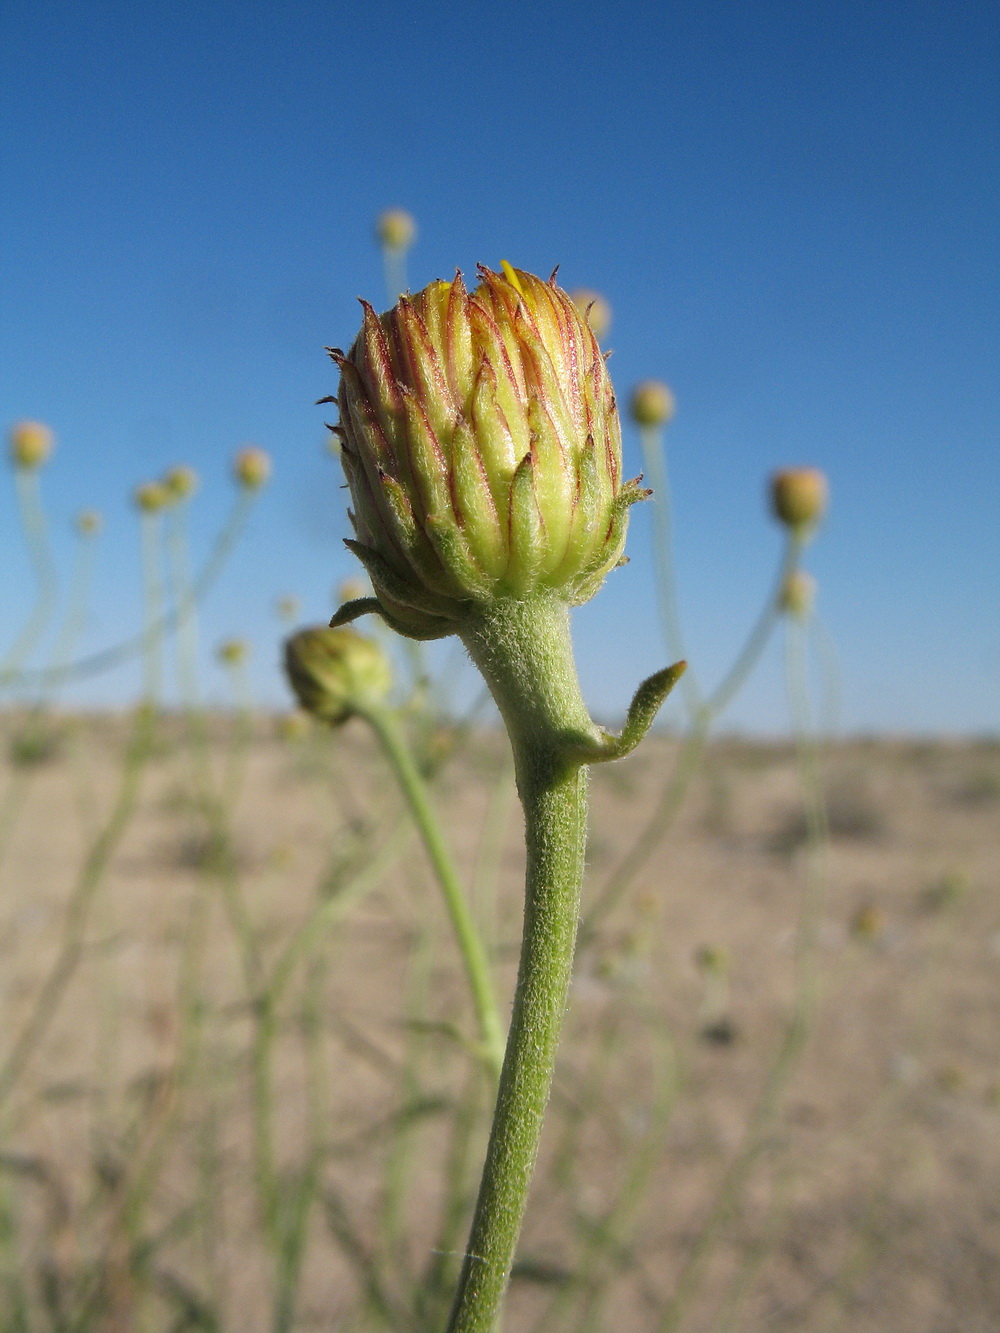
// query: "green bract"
[[480, 438]]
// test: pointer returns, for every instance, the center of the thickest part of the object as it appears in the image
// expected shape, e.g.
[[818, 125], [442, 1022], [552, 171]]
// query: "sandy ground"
[[852, 1183]]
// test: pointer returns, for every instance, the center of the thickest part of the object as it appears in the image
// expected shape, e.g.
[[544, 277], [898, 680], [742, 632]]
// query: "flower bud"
[[798, 497], [151, 496], [334, 672], [480, 439], [652, 404], [396, 229], [181, 481], [798, 593], [30, 444], [594, 309], [233, 652], [89, 522], [251, 468]]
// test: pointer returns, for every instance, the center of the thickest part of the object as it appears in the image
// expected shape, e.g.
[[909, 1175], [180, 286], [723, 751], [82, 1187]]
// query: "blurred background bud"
[[233, 652], [89, 522], [798, 594], [30, 444], [652, 404], [798, 497], [287, 608], [251, 467], [396, 229], [594, 309], [335, 672], [151, 496], [181, 481]]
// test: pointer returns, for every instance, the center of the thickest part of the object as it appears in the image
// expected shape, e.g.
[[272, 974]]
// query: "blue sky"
[[792, 210]]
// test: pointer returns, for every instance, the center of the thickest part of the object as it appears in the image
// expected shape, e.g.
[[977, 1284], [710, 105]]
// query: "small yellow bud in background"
[[287, 608], [798, 594], [89, 522], [396, 229], [30, 444], [594, 309], [652, 404], [798, 497], [181, 481], [251, 467], [334, 672], [233, 652], [151, 496]]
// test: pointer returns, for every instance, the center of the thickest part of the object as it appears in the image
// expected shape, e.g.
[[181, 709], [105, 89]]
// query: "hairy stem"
[[523, 649]]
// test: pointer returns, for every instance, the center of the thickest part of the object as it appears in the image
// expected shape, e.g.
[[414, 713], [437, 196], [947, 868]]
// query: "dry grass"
[[129, 1166]]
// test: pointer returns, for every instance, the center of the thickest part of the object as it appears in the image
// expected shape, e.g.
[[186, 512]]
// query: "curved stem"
[[477, 966]]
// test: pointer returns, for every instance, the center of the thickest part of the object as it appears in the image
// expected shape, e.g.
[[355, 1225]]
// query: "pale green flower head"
[[334, 672], [481, 442]]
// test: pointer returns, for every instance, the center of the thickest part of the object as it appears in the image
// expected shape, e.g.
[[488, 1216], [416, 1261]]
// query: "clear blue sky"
[[792, 210]]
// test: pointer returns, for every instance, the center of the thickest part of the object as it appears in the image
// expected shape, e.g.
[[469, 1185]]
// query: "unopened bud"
[[652, 404], [396, 229], [480, 439], [233, 652], [151, 496], [251, 468], [181, 481], [336, 672], [89, 522], [798, 594], [798, 497], [594, 309], [30, 444]]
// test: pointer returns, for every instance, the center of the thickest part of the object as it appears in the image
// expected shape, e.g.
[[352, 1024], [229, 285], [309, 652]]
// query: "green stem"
[[523, 649], [477, 966]]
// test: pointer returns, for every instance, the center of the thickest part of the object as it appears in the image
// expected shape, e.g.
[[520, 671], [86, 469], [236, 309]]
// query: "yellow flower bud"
[[181, 481], [798, 593], [798, 497], [652, 404], [481, 443], [251, 468], [594, 309], [334, 672], [30, 444], [89, 522], [233, 652], [151, 496], [396, 229]]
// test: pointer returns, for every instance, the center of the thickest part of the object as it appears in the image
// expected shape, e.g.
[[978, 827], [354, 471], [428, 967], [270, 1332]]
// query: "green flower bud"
[[30, 444], [181, 481], [151, 496], [481, 443], [251, 468], [652, 404], [594, 309], [798, 497], [334, 672], [396, 229]]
